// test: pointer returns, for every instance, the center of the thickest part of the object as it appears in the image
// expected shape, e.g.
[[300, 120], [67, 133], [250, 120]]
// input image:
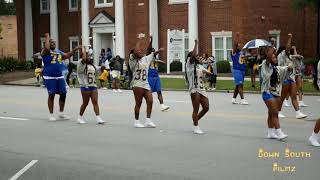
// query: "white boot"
[[137, 124], [197, 130], [302, 104], [286, 103], [300, 115], [313, 139], [99, 120], [272, 134], [281, 115], [164, 107], [280, 134], [81, 120], [149, 123]]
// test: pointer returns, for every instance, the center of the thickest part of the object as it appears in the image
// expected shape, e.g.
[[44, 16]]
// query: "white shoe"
[[63, 117], [67, 87], [300, 115], [119, 91], [81, 121], [52, 118], [164, 107], [137, 124], [280, 134], [313, 139], [272, 134], [149, 124], [234, 101], [302, 104], [100, 121], [114, 90], [197, 130], [281, 115], [244, 102], [104, 88], [213, 89], [286, 103]]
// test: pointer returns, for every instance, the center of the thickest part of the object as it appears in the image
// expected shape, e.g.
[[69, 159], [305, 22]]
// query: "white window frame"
[[178, 1], [42, 41], [72, 39], [44, 11], [105, 4], [277, 34], [224, 35], [73, 9]]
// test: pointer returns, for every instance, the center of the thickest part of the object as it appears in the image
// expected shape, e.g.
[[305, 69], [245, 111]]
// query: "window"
[[178, 1], [276, 35], [44, 6], [43, 42], [73, 5], [222, 45], [104, 3], [74, 42]]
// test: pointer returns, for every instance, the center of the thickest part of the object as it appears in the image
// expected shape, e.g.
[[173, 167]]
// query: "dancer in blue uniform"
[[154, 79], [53, 76]]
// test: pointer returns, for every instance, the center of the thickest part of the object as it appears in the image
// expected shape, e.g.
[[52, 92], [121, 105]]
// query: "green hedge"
[[223, 67], [176, 66], [309, 61], [8, 64]]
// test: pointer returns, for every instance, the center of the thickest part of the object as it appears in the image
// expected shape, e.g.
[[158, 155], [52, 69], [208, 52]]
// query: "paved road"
[[228, 150]]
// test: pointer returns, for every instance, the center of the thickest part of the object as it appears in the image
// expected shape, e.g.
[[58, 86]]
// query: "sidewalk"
[[32, 82]]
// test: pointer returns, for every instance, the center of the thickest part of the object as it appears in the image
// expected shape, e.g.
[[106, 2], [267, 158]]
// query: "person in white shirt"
[[87, 80], [315, 138], [138, 65], [195, 73]]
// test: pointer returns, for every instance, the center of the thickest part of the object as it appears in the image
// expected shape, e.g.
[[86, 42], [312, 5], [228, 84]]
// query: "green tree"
[[315, 5], [7, 8]]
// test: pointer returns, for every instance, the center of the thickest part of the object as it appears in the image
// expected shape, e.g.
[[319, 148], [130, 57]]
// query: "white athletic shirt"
[[139, 68], [195, 83], [266, 72], [86, 78]]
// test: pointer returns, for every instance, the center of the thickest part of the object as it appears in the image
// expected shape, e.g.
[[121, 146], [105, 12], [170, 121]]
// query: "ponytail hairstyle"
[[185, 67], [130, 74]]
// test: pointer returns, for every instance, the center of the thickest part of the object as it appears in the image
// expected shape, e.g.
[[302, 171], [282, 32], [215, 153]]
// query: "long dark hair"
[[281, 48], [190, 55], [130, 74]]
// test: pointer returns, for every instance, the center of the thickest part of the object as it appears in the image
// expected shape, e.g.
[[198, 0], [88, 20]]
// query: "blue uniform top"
[[153, 70], [238, 60], [53, 64]]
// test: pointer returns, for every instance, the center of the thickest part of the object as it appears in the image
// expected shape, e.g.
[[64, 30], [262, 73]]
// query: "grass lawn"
[[176, 83]]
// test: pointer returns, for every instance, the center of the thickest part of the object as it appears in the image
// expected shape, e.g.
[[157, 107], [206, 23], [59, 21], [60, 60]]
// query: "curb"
[[169, 89]]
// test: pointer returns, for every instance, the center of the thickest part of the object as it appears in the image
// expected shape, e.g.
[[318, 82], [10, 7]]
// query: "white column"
[[54, 32], [28, 30], [193, 22], [96, 48], [168, 52], [119, 23], [85, 23], [153, 22]]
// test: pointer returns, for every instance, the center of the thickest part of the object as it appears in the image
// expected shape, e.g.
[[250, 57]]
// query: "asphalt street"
[[229, 150]]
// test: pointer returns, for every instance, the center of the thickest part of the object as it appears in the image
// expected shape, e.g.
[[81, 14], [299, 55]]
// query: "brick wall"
[[214, 16], [9, 40]]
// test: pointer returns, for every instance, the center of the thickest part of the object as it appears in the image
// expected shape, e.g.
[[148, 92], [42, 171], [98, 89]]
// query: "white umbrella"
[[256, 43]]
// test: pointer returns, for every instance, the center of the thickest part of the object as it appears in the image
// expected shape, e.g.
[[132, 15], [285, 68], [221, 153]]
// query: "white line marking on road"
[[12, 118], [23, 170]]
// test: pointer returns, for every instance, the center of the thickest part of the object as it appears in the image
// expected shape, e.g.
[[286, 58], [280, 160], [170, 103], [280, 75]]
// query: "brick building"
[[117, 23], [8, 36]]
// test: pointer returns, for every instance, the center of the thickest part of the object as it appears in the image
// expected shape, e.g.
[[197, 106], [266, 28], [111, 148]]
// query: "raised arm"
[[46, 50], [195, 48], [71, 53], [289, 43], [236, 41]]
